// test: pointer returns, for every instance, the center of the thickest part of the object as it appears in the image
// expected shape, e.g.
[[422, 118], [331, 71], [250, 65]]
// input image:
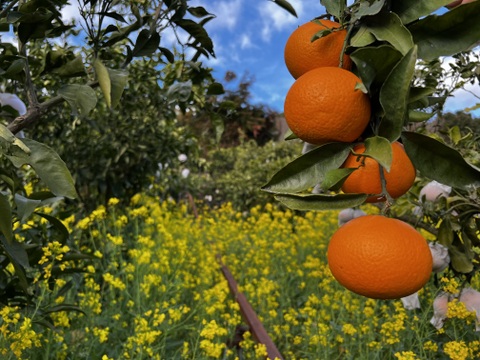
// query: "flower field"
[[153, 289]]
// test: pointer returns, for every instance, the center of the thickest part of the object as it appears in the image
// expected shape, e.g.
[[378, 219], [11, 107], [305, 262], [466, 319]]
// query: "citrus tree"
[[369, 77], [73, 73]]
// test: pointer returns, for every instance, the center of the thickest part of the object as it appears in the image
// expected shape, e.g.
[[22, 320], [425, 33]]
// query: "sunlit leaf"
[[334, 7], [104, 80], [321, 202], [309, 169], [118, 80], [442, 35], [379, 149], [366, 8], [389, 28], [440, 162], [410, 10]]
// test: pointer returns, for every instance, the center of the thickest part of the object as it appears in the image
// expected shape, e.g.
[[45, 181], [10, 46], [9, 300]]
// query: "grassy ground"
[[154, 291]]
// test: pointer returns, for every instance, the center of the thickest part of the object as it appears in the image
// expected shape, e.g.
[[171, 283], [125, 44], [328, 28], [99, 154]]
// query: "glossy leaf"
[[334, 7], [379, 149], [410, 10], [334, 178], [287, 6], [6, 218], [453, 32], [394, 96], [81, 98], [309, 169], [374, 64], [308, 202], [440, 162], [48, 166], [388, 27]]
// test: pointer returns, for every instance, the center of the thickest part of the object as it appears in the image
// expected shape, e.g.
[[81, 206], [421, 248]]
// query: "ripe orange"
[[302, 55], [323, 105], [366, 179], [379, 257]]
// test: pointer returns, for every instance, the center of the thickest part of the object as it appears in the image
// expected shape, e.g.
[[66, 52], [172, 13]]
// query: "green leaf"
[[48, 166], [25, 206], [388, 27], [335, 178], [198, 33], [146, 43], [379, 149], [445, 233], [334, 7], [448, 34], [64, 234], [104, 80], [439, 162], [81, 98], [215, 89], [198, 11], [362, 37], [321, 202], [6, 218], [410, 10], [418, 116], [287, 6], [374, 64], [72, 68], [460, 256], [118, 80], [366, 8], [394, 96], [309, 169]]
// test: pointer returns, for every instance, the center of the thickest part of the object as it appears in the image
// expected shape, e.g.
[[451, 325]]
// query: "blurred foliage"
[[236, 174]]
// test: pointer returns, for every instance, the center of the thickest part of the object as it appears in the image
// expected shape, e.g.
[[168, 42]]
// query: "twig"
[[34, 113], [255, 325]]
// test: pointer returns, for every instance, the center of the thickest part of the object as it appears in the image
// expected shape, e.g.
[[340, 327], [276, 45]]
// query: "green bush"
[[237, 174]]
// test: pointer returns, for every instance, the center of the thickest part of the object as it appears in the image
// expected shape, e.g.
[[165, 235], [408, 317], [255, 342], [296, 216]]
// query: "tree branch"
[[34, 113], [8, 8]]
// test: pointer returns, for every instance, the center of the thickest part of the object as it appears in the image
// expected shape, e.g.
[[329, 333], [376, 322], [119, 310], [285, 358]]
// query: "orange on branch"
[[379, 257], [302, 54], [325, 105], [366, 178]]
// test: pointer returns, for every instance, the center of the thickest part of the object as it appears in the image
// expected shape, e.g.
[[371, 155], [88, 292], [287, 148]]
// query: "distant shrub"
[[237, 174]]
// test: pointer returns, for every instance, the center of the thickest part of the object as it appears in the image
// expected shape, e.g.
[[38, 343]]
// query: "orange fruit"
[[302, 54], [323, 105], [366, 179], [379, 257]]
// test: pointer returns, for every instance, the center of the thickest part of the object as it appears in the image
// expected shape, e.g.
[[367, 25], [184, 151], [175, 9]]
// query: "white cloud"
[[71, 12], [245, 42], [276, 18], [227, 14]]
